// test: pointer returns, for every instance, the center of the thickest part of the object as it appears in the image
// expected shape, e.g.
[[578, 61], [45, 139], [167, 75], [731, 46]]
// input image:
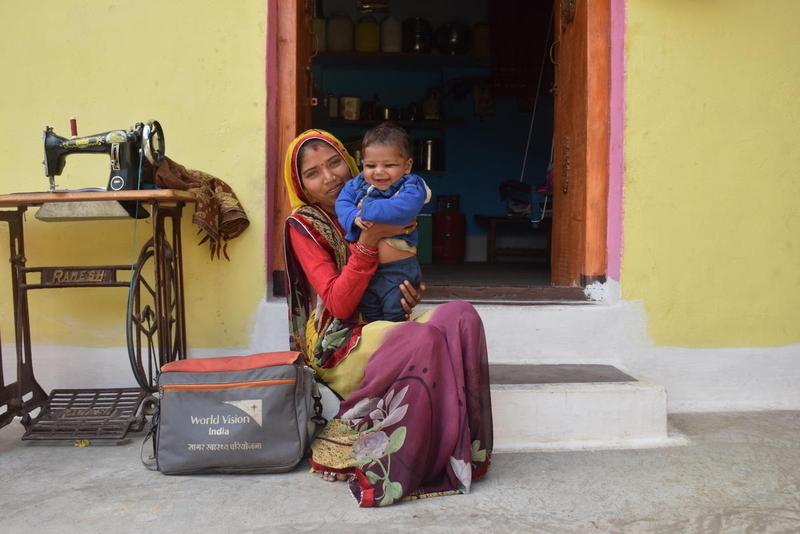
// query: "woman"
[[415, 420]]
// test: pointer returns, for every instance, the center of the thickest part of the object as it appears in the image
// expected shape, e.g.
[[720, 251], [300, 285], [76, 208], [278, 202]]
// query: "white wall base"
[[610, 332]]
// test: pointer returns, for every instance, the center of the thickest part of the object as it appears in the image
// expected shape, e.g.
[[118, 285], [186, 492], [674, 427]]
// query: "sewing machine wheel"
[[153, 338], [153, 143]]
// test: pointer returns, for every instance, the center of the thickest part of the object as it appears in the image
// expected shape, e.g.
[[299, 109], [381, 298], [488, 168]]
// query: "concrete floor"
[[740, 473]]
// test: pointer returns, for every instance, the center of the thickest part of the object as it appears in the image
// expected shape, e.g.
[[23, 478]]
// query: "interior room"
[[471, 81]]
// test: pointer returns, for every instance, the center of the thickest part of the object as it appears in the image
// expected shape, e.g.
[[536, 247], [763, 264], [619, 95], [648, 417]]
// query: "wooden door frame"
[[580, 235], [598, 143], [288, 111], [288, 101]]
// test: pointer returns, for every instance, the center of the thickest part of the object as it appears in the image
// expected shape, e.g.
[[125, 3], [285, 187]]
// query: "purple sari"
[[420, 423]]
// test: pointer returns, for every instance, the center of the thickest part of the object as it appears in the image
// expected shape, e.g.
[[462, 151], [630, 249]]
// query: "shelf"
[[370, 123], [397, 61]]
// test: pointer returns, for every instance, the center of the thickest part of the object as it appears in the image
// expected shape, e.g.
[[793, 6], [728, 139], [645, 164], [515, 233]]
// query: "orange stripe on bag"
[[228, 385], [233, 363]]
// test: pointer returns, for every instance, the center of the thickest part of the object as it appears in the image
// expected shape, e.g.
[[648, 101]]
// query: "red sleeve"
[[341, 292]]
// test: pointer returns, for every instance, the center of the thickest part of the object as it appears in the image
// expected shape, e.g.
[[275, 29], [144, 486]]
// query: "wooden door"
[[288, 106], [581, 136]]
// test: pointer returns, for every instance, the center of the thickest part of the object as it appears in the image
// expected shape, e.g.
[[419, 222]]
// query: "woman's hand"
[[411, 296], [372, 235]]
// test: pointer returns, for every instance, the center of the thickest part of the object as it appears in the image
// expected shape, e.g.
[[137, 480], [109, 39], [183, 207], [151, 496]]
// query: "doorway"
[[546, 111]]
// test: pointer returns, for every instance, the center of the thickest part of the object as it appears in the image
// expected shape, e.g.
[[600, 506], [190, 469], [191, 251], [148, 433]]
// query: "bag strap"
[[317, 419], [151, 461]]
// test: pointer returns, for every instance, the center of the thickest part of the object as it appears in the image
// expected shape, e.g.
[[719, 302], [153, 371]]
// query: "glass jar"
[[368, 35]]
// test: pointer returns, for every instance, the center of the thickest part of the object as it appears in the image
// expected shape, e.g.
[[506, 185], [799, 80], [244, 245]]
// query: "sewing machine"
[[124, 148]]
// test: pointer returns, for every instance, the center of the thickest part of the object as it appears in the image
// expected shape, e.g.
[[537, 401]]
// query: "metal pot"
[[429, 155], [389, 114], [417, 36], [453, 39]]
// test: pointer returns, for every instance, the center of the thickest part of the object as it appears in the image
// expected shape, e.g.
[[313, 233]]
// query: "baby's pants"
[[381, 300]]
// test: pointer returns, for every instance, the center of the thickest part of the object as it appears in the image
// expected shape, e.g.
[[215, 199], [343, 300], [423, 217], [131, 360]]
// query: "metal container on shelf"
[[333, 106], [350, 107], [453, 39], [417, 35], [430, 106], [429, 155]]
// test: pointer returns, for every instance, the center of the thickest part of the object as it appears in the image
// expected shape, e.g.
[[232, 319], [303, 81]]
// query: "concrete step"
[[571, 406]]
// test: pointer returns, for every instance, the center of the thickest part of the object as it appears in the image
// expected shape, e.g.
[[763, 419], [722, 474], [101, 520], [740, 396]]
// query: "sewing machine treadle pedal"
[[88, 413]]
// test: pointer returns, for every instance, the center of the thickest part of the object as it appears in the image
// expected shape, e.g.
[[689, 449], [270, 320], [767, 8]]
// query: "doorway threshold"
[[512, 282], [505, 295]]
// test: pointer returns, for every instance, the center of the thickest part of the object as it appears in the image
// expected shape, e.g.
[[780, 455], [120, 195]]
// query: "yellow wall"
[[712, 194], [198, 68]]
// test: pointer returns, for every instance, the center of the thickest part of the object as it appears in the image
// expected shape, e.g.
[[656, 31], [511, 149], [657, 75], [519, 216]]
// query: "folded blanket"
[[217, 212]]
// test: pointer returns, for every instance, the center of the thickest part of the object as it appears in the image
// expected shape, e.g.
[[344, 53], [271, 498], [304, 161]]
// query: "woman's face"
[[323, 172]]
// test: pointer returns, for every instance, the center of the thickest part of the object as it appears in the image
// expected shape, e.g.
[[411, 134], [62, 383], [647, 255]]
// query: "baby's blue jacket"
[[397, 205]]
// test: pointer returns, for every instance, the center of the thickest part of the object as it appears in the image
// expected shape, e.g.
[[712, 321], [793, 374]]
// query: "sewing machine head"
[[124, 148]]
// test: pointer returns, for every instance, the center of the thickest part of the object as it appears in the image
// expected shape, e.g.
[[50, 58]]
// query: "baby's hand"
[[361, 223]]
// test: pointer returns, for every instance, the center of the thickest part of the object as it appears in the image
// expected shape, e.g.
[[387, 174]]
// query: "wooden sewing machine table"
[[156, 332]]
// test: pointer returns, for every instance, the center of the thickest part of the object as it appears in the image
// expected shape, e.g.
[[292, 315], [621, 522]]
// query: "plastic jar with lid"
[[340, 33], [368, 35], [391, 35]]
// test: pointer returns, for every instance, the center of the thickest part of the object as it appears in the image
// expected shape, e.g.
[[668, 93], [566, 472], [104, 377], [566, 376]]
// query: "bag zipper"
[[227, 385]]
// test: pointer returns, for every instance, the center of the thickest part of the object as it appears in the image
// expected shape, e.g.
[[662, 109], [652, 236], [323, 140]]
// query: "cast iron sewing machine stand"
[[156, 329]]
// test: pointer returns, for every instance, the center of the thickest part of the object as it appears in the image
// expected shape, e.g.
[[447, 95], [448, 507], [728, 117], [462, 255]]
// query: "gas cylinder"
[[449, 231]]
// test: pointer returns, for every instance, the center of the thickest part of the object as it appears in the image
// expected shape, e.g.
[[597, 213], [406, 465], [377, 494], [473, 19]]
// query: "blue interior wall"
[[484, 151]]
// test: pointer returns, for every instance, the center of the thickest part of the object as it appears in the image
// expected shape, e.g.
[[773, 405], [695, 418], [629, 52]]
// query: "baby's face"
[[384, 165]]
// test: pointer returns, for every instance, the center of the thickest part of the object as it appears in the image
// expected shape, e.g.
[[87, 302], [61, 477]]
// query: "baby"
[[385, 192]]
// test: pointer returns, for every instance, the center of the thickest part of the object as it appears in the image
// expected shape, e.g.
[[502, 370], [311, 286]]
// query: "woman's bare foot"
[[330, 476]]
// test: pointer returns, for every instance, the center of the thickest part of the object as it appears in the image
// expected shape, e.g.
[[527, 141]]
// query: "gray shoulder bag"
[[239, 414]]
